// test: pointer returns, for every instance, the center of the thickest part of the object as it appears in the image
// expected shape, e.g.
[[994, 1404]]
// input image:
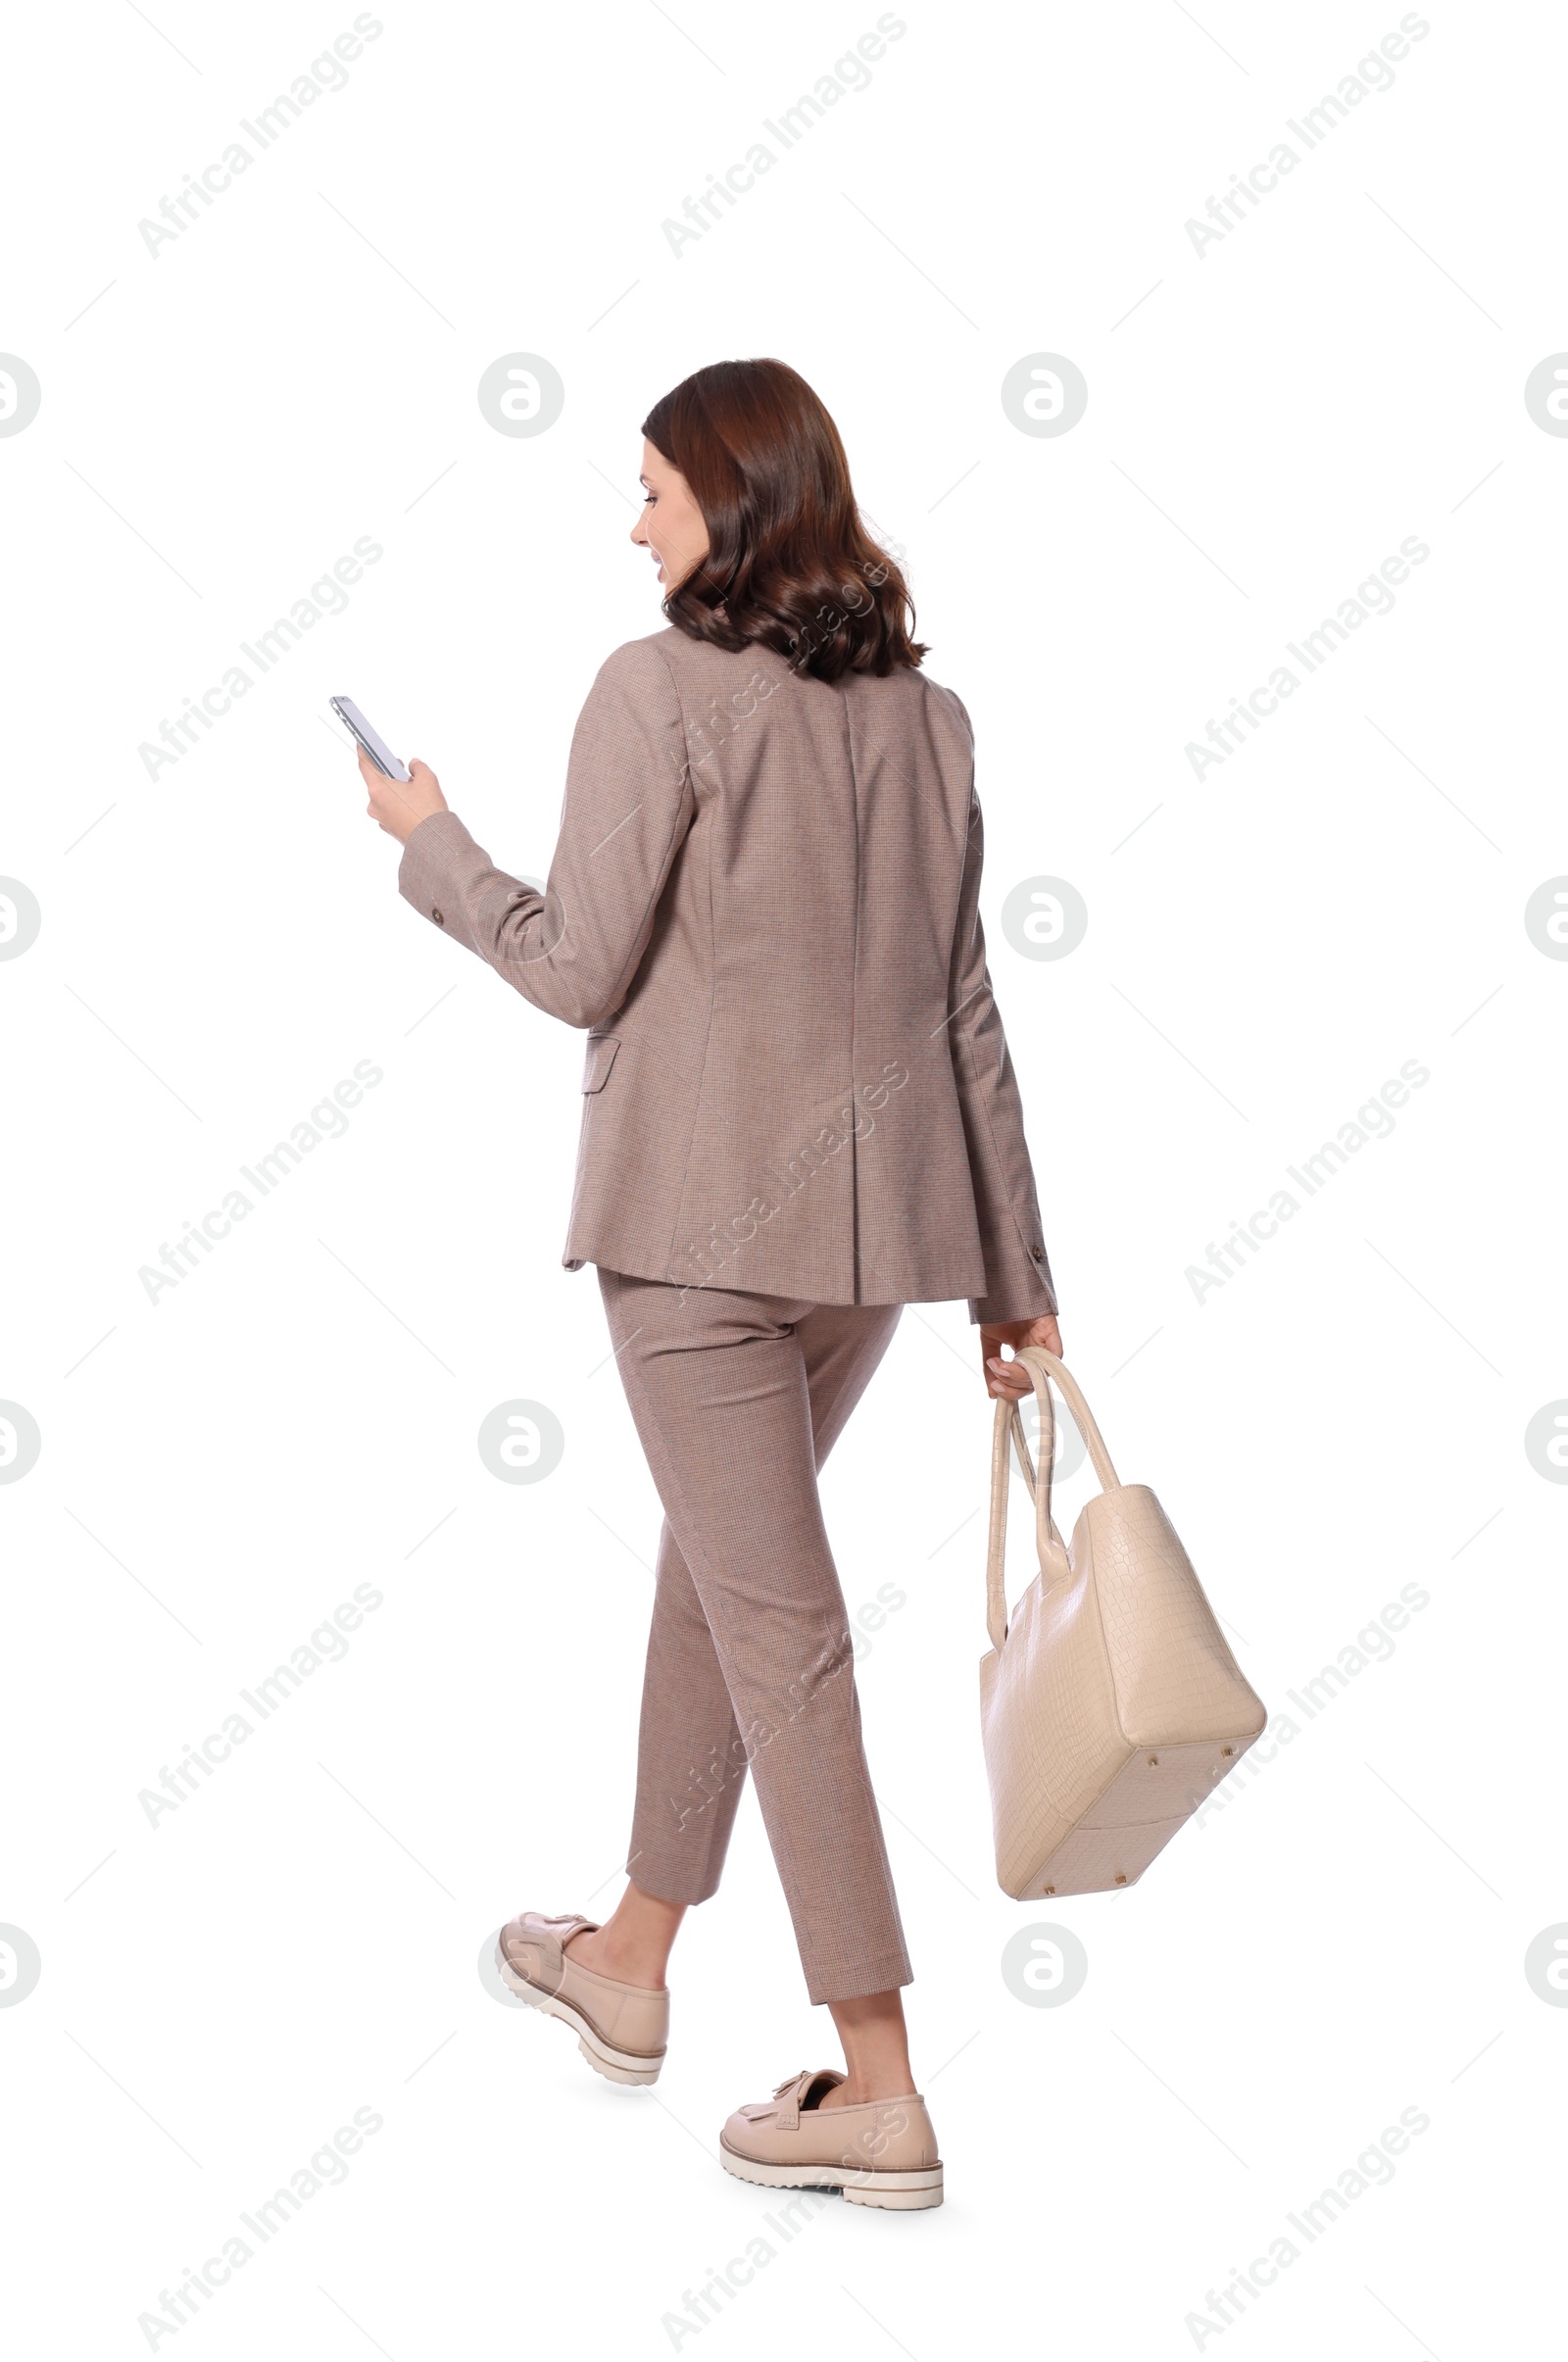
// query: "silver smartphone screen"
[[375, 745]]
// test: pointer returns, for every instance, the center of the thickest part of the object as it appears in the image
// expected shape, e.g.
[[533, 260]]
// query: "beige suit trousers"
[[738, 1399]]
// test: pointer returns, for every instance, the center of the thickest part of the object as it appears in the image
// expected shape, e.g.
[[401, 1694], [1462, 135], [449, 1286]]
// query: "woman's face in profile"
[[670, 526]]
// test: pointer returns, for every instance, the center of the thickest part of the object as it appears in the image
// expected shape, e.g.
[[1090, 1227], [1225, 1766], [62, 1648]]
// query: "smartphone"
[[380, 754]]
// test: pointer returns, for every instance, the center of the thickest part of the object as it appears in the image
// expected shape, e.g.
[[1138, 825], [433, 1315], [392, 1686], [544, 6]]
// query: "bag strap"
[[1042, 1365], [1008, 1426]]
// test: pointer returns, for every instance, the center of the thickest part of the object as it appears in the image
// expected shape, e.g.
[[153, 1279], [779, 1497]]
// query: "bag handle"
[[1006, 1426]]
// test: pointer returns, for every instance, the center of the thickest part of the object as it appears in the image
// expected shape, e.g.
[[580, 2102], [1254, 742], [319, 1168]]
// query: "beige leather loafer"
[[621, 2030], [883, 2154]]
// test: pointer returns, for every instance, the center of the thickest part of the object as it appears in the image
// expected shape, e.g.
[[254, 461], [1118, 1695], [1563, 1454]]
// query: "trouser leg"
[[738, 1400], [691, 1757]]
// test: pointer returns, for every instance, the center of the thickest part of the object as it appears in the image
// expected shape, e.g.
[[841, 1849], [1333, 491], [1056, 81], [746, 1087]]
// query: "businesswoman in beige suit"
[[799, 1115]]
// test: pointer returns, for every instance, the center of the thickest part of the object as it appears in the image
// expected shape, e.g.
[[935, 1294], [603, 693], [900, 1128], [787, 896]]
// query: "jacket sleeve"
[[574, 950], [1019, 1282]]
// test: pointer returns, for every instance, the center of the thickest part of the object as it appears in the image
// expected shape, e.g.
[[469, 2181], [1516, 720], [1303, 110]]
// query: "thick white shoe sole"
[[863, 2185], [619, 2066]]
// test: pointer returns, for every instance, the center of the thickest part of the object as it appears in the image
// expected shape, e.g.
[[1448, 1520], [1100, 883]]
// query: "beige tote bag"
[[1110, 1705]]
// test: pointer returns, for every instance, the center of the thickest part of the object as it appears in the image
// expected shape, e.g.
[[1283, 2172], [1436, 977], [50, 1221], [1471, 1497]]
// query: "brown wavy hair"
[[789, 564]]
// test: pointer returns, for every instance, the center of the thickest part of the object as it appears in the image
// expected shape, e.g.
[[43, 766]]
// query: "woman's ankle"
[[633, 1945], [860, 2090], [876, 2053], [597, 1949]]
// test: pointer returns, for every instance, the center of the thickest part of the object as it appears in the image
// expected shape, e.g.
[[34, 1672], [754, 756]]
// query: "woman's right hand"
[[399, 805], [1005, 1378]]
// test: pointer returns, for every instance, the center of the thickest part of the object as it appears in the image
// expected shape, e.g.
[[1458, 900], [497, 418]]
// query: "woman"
[[799, 1115]]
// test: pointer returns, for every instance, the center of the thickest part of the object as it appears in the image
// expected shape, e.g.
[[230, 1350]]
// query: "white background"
[[222, 942]]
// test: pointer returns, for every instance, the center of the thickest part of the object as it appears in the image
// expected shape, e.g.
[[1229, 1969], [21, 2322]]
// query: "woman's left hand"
[[399, 805], [1010, 1380]]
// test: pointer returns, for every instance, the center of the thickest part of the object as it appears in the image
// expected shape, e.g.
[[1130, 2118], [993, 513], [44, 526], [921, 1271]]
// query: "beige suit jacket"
[[763, 906]]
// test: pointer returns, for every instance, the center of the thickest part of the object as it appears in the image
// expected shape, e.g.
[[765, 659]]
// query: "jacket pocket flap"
[[602, 1049]]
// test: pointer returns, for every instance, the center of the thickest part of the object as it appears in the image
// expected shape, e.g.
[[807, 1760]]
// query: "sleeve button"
[[439, 920]]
